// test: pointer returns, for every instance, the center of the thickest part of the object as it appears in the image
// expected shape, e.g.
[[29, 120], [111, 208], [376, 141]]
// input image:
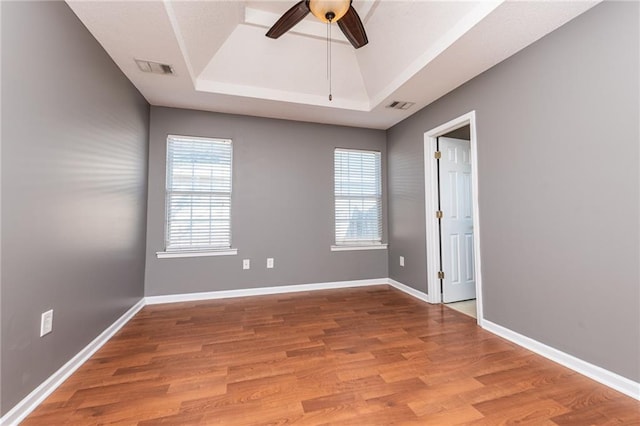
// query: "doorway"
[[451, 212], [458, 281]]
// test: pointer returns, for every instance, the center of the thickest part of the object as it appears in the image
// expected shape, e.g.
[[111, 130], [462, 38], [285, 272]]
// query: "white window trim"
[[360, 244], [359, 247], [203, 253], [195, 252]]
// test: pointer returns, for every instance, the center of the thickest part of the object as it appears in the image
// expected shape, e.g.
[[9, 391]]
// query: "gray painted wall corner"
[[406, 207], [559, 219], [74, 145], [282, 204]]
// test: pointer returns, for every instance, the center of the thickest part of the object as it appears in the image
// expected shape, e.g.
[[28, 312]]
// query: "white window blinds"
[[198, 194], [358, 197]]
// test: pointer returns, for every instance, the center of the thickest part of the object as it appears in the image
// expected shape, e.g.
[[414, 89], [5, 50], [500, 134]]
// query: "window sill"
[[359, 247], [172, 254]]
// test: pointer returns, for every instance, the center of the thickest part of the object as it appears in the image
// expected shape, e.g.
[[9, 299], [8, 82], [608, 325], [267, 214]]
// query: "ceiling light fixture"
[[329, 10], [339, 11]]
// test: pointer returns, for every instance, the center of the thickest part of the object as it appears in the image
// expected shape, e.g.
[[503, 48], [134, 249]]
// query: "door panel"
[[469, 258], [457, 221], [454, 257]]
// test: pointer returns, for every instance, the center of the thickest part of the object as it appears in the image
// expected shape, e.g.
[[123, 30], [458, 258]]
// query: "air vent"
[[400, 105], [154, 67]]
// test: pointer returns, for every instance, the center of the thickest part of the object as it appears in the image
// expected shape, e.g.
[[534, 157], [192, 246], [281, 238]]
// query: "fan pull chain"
[[328, 24], [329, 57], [330, 95]]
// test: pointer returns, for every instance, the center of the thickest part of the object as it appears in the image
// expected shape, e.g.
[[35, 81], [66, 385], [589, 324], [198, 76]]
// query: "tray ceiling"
[[417, 52]]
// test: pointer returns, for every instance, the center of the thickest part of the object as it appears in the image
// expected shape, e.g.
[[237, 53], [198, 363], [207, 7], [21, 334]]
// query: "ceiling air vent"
[[400, 105], [154, 67]]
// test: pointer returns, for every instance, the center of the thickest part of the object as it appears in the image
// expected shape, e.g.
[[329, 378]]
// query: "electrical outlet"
[[269, 262], [46, 322], [401, 260], [246, 264]]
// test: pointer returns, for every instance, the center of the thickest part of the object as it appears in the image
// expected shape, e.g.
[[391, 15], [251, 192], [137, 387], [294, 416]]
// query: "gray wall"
[[74, 155], [558, 140], [282, 204]]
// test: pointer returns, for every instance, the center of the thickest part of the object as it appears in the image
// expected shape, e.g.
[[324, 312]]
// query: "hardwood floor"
[[363, 356]]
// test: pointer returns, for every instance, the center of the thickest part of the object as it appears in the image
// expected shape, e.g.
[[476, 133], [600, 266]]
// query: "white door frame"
[[434, 294]]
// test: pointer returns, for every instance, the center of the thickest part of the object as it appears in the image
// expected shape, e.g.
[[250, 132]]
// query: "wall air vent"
[[400, 105], [154, 67]]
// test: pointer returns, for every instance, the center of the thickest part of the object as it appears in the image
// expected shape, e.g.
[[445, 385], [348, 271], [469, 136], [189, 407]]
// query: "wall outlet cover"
[[270, 262], [246, 264], [46, 322], [401, 260]]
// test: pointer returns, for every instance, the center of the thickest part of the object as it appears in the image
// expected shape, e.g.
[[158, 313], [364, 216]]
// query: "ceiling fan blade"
[[290, 18], [352, 27]]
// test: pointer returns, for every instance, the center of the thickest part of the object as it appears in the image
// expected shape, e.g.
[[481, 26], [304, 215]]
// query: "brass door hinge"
[[441, 275], [437, 155], [439, 214]]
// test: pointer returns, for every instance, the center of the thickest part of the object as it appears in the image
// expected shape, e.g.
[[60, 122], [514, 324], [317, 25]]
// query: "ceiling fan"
[[329, 11]]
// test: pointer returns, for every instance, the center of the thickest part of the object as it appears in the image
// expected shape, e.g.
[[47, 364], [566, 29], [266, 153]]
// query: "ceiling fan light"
[[323, 8]]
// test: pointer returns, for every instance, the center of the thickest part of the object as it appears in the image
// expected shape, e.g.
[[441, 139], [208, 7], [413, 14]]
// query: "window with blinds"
[[358, 197], [198, 194]]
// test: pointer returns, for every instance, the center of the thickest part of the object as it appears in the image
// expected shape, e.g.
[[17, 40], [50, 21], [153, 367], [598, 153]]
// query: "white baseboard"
[[409, 290], [35, 398], [599, 374], [31, 401], [224, 294]]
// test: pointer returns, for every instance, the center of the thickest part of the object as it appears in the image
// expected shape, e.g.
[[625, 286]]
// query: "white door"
[[456, 225]]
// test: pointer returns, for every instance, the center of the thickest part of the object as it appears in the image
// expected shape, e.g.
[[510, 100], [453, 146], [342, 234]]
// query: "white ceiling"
[[417, 52]]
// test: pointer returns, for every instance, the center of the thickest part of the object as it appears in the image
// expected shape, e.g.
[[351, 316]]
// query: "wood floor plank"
[[361, 356]]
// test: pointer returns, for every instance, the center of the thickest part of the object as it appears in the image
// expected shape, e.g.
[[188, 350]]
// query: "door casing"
[[434, 294]]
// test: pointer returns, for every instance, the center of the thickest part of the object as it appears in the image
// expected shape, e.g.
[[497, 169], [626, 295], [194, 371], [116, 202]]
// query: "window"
[[358, 199], [198, 196]]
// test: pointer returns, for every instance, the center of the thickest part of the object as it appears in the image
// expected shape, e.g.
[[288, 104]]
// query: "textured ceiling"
[[418, 51]]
